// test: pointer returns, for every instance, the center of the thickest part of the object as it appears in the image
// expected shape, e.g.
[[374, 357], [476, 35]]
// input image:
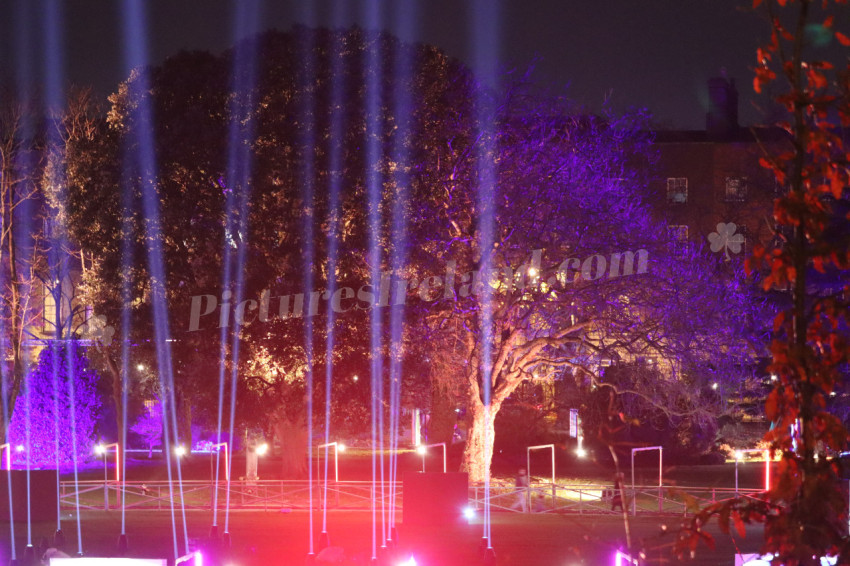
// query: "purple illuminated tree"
[[58, 407]]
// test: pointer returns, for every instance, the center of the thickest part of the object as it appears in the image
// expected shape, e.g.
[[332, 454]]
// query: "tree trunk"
[[293, 444], [117, 393], [184, 422], [443, 415], [478, 454]]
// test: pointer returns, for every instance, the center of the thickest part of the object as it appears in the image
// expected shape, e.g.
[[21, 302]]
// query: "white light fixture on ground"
[[91, 561], [422, 450]]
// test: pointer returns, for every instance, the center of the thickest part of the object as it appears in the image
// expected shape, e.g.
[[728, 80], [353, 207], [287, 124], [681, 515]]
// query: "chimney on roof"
[[722, 116]]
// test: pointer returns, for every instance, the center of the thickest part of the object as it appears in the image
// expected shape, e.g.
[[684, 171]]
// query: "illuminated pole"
[[660, 461], [102, 449], [739, 455], [528, 450], [226, 459], [8, 448], [422, 450], [338, 447]]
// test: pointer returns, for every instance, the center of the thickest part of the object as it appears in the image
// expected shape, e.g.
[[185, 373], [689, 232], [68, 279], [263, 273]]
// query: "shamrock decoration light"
[[726, 239]]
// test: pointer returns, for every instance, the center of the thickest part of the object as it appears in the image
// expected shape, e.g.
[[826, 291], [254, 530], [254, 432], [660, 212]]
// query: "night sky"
[[655, 54]]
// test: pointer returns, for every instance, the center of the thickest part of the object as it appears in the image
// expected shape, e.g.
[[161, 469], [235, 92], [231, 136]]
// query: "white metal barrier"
[[270, 495]]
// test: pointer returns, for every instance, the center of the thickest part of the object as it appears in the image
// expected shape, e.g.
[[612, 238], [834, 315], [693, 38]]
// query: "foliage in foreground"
[[805, 511]]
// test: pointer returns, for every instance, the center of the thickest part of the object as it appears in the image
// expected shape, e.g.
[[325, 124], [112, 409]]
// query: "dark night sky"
[[656, 54]]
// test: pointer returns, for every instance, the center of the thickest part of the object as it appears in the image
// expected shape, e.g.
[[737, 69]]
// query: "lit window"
[[677, 190], [49, 317], [736, 189]]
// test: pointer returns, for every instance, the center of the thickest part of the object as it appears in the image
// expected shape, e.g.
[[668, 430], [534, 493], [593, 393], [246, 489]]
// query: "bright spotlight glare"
[[469, 512], [180, 450], [409, 562], [262, 448], [340, 447], [99, 449], [140, 367], [714, 385], [421, 449], [738, 454], [581, 452], [19, 448]]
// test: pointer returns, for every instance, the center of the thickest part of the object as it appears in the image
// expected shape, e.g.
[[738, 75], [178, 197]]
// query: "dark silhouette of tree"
[[149, 426]]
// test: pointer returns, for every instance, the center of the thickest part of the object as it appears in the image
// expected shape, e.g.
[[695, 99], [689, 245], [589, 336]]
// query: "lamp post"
[[102, 449], [216, 447], [338, 447], [422, 450], [739, 455]]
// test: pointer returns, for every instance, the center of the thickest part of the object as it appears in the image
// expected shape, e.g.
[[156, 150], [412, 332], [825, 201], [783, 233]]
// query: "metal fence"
[[269, 495]]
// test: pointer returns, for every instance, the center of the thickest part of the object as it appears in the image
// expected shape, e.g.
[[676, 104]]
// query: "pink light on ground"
[[621, 559]]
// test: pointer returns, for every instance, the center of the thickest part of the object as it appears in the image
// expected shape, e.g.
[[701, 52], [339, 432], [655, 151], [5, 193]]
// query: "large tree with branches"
[[580, 274]]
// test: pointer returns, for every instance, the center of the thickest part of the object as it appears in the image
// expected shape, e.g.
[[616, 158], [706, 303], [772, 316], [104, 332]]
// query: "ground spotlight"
[[340, 447], [409, 562], [99, 449], [180, 450], [581, 452], [193, 559], [19, 448], [469, 512], [421, 449], [262, 449]]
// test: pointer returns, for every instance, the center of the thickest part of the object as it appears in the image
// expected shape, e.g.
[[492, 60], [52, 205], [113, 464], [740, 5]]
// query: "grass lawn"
[[277, 538]]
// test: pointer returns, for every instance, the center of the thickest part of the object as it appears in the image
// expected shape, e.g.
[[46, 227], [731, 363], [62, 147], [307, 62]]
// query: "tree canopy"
[[578, 272]]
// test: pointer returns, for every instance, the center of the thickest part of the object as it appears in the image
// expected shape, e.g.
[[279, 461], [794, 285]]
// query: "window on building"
[[677, 235], [677, 190], [48, 312], [736, 189]]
